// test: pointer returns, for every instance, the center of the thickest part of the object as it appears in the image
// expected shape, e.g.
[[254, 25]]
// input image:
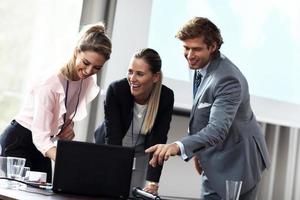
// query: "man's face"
[[197, 53]]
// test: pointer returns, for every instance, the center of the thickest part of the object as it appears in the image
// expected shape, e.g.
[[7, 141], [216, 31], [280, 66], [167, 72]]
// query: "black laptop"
[[92, 169]]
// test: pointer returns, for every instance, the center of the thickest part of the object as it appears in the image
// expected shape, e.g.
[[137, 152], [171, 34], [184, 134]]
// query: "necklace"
[[140, 110], [142, 115], [66, 100]]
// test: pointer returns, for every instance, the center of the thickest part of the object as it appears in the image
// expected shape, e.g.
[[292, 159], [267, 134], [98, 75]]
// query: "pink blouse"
[[44, 108]]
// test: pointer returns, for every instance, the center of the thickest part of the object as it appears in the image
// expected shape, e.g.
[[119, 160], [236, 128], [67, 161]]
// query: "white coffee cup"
[[38, 177]]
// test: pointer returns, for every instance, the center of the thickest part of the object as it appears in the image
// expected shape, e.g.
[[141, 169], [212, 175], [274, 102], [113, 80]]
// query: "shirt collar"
[[203, 70]]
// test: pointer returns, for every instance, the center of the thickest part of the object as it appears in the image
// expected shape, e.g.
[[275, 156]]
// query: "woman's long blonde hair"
[[92, 38], [152, 58]]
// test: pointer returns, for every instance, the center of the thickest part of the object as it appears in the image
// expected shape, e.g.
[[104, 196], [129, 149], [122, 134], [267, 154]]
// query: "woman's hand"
[[151, 187], [67, 133], [198, 165], [51, 153]]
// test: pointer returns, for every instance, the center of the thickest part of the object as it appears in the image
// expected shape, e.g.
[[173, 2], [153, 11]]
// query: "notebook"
[[92, 169]]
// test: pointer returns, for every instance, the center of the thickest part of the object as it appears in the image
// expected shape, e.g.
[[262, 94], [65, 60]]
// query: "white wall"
[[179, 178], [129, 34]]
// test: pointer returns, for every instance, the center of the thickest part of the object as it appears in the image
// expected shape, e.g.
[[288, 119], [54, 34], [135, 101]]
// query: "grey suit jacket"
[[223, 131]]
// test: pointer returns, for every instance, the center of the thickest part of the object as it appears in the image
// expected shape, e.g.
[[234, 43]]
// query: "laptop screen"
[[92, 169]]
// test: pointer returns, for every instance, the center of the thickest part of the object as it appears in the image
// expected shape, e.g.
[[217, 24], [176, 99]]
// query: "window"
[[265, 47], [36, 36]]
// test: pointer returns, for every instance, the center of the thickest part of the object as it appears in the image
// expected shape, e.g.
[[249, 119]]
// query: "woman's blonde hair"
[[92, 38], [152, 58]]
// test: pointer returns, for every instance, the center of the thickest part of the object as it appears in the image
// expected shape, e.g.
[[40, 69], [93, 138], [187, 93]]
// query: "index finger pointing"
[[151, 149]]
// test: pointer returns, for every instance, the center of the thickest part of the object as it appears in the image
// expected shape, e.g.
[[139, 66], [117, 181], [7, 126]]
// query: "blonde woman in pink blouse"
[[55, 102]]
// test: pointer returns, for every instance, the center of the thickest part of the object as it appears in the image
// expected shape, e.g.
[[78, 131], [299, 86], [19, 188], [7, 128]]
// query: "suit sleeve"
[[227, 98], [112, 121], [160, 131]]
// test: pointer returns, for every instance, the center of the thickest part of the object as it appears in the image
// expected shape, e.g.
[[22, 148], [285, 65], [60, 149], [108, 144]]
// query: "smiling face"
[[88, 63], [197, 53], [141, 80]]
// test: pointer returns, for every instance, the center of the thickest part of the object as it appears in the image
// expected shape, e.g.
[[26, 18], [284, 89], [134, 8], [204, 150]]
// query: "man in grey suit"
[[224, 135]]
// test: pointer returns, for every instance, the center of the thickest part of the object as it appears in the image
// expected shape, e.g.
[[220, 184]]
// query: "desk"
[[35, 194], [9, 194]]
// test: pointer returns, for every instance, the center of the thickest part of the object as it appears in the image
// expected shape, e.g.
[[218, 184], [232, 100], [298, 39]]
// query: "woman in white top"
[[138, 111], [55, 102]]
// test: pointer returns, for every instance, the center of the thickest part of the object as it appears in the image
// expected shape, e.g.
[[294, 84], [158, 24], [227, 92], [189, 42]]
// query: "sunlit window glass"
[[35, 36], [265, 45]]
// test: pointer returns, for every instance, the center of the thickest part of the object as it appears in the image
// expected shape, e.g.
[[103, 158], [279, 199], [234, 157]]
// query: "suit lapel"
[[204, 84]]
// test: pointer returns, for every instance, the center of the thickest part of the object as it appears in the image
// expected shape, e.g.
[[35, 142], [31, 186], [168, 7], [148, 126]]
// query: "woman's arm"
[[51, 153], [44, 103], [160, 130], [113, 119]]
